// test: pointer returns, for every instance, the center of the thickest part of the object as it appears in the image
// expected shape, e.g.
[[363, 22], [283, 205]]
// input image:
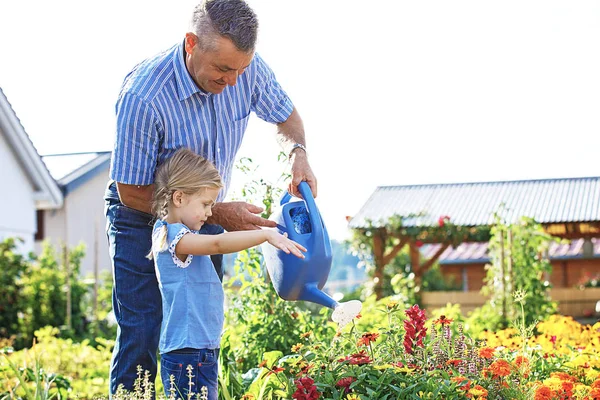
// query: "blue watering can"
[[302, 279]]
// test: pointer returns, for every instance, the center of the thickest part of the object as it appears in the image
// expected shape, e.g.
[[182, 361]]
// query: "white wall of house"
[[81, 219], [17, 202]]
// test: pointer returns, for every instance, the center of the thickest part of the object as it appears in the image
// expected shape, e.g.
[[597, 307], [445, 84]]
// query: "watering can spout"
[[315, 295]]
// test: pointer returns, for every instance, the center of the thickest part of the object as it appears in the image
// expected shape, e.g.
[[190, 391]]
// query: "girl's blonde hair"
[[187, 172]]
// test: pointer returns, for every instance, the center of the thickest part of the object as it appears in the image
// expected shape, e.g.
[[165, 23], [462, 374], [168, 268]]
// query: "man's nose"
[[231, 77]]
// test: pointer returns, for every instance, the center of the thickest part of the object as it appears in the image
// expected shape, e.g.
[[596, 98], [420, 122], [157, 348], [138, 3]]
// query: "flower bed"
[[412, 358]]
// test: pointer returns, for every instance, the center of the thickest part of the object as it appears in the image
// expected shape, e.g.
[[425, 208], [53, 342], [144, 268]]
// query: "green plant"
[[83, 366], [45, 291], [517, 264], [14, 266]]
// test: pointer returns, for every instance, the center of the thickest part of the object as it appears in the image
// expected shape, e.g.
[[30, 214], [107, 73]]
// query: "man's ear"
[[191, 40], [178, 198]]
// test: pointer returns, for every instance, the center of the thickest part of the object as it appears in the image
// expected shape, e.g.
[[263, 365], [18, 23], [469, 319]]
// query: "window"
[[39, 233]]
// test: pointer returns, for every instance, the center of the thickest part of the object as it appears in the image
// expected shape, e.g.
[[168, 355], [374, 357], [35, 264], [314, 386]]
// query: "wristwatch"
[[294, 147]]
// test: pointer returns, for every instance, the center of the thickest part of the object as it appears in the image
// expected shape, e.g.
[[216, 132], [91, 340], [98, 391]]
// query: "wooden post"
[[415, 262], [509, 267], [502, 277], [378, 249]]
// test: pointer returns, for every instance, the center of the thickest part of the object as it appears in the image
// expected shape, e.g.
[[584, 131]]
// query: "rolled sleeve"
[[269, 100], [136, 145]]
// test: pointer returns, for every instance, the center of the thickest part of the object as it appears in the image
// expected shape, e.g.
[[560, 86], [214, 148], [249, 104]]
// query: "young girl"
[[186, 188]]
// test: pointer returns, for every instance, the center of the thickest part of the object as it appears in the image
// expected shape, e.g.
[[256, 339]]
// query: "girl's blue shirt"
[[192, 295]]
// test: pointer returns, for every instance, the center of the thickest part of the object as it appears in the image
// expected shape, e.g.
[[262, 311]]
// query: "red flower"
[[455, 362], [442, 220], [345, 383], [419, 243], [359, 358], [415, 328], [306, 390], [367, 339], [442, 320]]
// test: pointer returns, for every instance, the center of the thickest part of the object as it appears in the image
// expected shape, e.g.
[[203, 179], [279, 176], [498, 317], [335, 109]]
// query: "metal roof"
[[476, 253], [473, 204], [73, 170]]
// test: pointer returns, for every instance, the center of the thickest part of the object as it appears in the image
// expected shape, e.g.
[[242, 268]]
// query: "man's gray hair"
[[233, 19]]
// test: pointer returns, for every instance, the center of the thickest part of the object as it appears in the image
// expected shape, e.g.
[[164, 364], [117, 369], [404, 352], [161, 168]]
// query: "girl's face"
[[193, 210]]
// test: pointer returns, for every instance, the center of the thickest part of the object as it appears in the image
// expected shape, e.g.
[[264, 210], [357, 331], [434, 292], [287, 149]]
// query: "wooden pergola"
[[384, 252], [565, 207]]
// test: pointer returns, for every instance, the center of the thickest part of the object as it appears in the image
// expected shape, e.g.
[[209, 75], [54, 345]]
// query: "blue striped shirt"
[[160, 109]]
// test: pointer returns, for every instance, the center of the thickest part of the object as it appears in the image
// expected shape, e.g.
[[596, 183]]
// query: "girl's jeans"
[[197, 366], [137, 304]]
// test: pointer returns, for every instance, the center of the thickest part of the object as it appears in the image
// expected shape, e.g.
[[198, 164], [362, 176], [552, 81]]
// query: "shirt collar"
[[185, 84]]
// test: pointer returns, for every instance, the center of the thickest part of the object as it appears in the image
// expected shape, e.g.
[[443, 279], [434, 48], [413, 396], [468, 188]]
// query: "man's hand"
[[239, 216], [136, 197], [301, 171]]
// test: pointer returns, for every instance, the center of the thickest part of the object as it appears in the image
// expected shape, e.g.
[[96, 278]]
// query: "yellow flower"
[[392, 305], [353, 396], [297, 347]]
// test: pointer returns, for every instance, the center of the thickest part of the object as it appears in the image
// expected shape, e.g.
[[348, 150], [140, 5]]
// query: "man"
[[197, 95]]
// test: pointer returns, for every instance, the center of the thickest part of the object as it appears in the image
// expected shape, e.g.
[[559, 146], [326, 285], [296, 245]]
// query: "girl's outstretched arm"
[[231, 242]]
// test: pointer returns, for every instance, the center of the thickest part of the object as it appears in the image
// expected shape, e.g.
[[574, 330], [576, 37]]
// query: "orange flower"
[[486, 352], [521, 360], [543, 393], [247, 397], [367, 339], [306, 335], [275, 370], [263, 363], [500, 368], [459, 380]]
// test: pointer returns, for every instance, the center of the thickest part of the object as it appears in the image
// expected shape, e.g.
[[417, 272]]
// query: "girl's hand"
[[287, 245]]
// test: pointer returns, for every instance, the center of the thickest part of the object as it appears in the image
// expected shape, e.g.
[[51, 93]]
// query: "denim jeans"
[[203, 366], [137, 303]]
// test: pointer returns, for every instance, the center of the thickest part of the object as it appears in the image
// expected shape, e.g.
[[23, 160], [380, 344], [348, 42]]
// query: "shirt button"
[[218, 150]]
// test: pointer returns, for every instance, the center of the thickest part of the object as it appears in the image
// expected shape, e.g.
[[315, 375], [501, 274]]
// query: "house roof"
[[476, 253], [47, 193], [548, 201], [74, 169]]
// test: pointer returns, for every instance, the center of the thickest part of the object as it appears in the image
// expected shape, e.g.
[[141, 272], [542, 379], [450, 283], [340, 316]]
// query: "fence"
[[573, 302]]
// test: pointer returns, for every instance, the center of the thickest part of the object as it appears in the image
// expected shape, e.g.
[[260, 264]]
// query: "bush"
[[35, 292]]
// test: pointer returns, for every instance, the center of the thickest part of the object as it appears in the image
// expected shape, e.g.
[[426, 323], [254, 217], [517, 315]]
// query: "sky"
[[391, 92]]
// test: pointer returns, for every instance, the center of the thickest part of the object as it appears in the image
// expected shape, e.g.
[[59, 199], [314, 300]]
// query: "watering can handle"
[[285, 198], [313, 212]]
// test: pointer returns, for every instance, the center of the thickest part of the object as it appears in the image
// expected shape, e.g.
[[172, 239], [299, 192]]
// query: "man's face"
[[214, 69]]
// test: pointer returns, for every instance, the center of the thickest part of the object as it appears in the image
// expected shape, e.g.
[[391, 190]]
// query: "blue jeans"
[[136, 298], [204, 368]]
